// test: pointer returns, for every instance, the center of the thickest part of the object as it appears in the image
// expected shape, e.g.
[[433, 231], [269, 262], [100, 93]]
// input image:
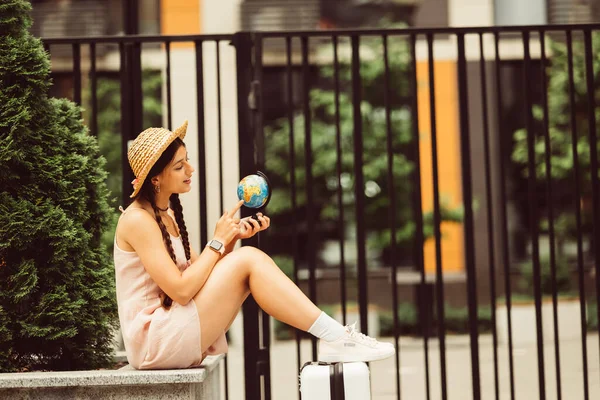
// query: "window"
[[519, 12]]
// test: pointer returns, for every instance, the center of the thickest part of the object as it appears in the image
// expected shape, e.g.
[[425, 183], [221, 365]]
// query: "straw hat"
[[147, 148]]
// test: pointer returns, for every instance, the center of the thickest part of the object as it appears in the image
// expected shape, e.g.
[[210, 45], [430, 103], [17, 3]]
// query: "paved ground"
[[412, 370]]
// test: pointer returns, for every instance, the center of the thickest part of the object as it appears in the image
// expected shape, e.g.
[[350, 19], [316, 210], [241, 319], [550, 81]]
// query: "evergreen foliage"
[[377, 187], [560, 152], [57, 302]]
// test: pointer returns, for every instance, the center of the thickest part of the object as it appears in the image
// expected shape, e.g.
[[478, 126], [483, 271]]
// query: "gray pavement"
[[284, 383]]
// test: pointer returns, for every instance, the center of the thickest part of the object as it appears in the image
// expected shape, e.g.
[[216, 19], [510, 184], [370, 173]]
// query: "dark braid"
[[147, 193], [167, 301], [178, 210]]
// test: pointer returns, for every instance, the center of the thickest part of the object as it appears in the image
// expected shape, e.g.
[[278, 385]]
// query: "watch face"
[[216, 245]]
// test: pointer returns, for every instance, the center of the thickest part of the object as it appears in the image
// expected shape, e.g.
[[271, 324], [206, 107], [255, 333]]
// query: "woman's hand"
[[228, 226], [250, 227]]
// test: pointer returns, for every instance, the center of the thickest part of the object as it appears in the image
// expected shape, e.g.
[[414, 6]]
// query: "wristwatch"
[[217, 246]]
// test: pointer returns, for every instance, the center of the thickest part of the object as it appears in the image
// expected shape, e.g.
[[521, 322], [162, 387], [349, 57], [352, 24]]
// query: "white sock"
[[327, 328]]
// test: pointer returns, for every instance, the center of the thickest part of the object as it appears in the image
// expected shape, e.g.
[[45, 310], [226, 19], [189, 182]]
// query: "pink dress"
[[154, 337]]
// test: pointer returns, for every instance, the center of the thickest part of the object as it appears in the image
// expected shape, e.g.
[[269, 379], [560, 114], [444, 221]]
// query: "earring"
[[157, 188]]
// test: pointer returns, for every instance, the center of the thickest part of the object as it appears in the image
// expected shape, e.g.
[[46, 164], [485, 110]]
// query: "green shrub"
[[57, 303], [456, 320], [563, 276]]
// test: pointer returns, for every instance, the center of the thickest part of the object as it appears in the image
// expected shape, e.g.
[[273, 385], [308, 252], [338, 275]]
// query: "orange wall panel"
[[180, 17], [448, 148]]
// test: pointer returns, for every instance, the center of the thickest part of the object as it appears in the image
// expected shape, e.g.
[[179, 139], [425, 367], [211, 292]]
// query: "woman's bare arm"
[[143, 234]]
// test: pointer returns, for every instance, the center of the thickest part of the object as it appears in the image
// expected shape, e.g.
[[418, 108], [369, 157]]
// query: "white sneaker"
[[354, 346]]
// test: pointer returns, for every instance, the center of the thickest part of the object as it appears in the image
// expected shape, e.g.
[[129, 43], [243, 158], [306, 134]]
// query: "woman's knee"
[[248, 255], [239, 262]]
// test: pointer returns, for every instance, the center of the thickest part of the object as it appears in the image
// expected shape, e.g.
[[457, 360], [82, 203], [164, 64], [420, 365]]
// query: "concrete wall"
[[471, 12]]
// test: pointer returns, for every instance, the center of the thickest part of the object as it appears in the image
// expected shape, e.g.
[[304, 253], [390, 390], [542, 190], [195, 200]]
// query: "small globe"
[[254, 190]]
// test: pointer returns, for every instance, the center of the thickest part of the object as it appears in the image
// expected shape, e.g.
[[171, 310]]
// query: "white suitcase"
[[338, 381]]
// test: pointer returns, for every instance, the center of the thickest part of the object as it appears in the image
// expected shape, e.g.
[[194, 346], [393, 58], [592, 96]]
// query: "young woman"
[[175, 305]]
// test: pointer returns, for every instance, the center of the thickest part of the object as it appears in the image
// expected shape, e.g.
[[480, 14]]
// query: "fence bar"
[[325, 33], [437, 219], [504, 152], [219, 123], [418, 210], [243, 46], [359, 185], [550, 197], [392, 205], [169, 114], [77, 73], [490, 208], [292, 159], [574, 140], [221, 200], [338, 149], [93, 88], [201, 142], [310, 219], [465, 147], [126, 123], [589, 73], [137, 99], [436, 30], [533, 214], [257, 91], [136, 38], [264, 365]]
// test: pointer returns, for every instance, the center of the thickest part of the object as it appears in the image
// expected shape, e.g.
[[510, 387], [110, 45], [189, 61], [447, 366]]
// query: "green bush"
[[563, 276], [408, 320], [327, 182], [57, 303], [456, 321]]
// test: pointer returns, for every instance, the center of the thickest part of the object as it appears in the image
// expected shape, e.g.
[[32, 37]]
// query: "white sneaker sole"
[[331, 358]]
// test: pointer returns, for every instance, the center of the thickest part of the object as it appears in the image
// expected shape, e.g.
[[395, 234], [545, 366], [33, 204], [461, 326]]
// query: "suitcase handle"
[[336, 381], [314, 363]]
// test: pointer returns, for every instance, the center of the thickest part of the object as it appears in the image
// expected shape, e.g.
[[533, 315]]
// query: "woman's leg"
[[250, 270], [234, 315]]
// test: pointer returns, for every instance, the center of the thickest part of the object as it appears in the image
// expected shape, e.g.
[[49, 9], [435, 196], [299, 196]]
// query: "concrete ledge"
[[125, 383]]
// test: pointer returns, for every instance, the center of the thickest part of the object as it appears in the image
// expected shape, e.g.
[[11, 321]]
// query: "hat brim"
[[177, 133]]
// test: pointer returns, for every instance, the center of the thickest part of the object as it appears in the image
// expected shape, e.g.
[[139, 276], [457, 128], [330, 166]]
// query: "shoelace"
[[360, 336]]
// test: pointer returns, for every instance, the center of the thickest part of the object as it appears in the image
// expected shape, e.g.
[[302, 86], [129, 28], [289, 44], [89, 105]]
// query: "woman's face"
[[176, 177]]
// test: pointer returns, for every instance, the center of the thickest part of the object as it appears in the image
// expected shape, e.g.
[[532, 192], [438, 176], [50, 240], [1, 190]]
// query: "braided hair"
[[178, 210], [148, 194]]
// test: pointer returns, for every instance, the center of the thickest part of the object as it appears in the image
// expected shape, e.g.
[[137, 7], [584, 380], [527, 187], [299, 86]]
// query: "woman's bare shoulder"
[[135, 219]]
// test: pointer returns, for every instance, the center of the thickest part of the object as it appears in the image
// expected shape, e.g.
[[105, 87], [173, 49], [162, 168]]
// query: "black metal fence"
[[343, 142]]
